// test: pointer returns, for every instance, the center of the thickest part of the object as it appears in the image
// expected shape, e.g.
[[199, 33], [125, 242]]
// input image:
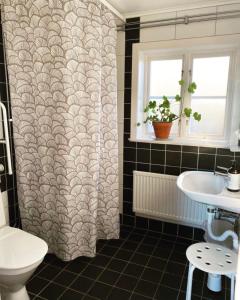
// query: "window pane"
[[164, 77], [211, 76], [212, 123]]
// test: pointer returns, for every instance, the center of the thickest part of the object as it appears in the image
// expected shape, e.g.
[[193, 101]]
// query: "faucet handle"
[[223, 168]]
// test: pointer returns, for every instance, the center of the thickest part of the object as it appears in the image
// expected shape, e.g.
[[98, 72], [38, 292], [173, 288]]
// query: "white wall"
[[201, 29]]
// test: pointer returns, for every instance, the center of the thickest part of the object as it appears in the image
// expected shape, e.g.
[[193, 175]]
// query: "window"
[[156, 73], [163, 80], [212, 77]]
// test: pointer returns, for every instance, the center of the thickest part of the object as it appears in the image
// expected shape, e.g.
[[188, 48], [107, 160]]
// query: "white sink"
[[210, 189]]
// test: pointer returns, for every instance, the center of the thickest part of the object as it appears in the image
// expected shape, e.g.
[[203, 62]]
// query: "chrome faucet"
[[224, 174], [232, 175]]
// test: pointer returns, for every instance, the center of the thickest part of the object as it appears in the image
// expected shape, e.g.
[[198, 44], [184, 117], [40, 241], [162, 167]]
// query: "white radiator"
[[157, 196]]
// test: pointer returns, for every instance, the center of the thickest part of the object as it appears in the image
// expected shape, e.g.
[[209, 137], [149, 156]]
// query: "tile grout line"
[[134, 252], [52, 280], [164, 271], [150, 256]]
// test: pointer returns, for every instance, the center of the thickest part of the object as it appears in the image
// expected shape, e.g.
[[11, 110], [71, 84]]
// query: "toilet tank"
[[2, 212]]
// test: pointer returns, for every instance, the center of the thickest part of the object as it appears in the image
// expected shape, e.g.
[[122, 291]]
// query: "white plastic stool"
[[213, 259]]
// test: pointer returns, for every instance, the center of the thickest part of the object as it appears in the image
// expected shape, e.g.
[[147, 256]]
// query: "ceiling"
[[131, 8]]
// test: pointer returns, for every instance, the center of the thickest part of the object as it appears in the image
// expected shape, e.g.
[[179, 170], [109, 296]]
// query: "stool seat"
[[215, 260], [212, 258]]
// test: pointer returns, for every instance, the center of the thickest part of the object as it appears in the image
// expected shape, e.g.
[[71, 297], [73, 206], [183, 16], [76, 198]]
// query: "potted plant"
[[161, 116]]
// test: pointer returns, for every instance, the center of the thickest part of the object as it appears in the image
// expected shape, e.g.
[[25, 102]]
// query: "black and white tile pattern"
[[141, 265]]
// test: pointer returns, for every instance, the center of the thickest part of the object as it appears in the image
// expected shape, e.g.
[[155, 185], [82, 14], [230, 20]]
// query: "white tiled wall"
[[158, 33], [120, 80], [198, 29], [201, 29], [228, 26]]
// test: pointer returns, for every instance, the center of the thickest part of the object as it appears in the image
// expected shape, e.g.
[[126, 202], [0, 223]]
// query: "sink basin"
[[205, 187]]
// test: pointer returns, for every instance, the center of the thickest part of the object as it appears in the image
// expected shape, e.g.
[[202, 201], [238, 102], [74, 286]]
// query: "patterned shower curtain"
[[62, 74]]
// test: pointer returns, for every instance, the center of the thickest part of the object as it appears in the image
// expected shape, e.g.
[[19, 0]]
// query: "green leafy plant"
[[162, 112]]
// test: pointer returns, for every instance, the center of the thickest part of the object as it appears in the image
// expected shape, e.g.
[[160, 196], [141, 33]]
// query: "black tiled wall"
[[159, 158], [8, 182]]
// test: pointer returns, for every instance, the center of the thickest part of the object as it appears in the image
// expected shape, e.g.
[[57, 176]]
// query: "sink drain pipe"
[[215, 280]]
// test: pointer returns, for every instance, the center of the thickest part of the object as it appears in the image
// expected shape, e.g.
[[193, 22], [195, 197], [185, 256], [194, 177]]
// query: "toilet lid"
[[19, 249]]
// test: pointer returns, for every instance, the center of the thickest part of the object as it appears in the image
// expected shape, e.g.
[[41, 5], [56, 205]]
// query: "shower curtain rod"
[[230, 14]]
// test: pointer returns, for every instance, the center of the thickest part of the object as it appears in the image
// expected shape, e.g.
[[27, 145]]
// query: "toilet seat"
[[19, 249]]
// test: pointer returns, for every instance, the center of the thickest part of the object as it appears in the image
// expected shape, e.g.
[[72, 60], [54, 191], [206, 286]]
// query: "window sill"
[[182, 141]]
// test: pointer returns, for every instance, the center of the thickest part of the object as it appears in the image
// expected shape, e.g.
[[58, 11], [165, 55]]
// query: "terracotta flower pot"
[[162, 129]]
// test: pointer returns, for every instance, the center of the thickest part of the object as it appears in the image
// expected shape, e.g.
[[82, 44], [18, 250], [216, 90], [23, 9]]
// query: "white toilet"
[[20, 254]]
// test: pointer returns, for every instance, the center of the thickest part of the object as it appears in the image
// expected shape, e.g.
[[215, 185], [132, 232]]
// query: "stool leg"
[[232, 286], [189, 282]]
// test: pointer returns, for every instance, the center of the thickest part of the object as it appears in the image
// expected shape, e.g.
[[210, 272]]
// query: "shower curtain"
[[62, 75]]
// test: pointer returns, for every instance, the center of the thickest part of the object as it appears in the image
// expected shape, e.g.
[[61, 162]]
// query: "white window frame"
[[148, 59], [186, 49]]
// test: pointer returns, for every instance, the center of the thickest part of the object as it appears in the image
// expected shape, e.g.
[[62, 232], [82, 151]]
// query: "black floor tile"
[[157, 263], [88, 297], [129, 245], [148, 240], [100, 290], [71, 295], [92, 271], [49, 272], [142, 265], [197, 287], [178, 257], [59, 263], [171, 281], [40, 267], [175, 268], [146, 249], [181, 248], [108, 250], [161, 252], [52, 291], [140, 259], [117, 265], [76, 266], [139, 297], [164, 292], [182, 296], [119, 294], [126, 282], [134, 270], [146, 288], [115, 243], [65, 278], [124, 254], [82, 284], [152, 275], [166, 244], [36, 284], [109, 277], [135, 237], [100, 260]]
